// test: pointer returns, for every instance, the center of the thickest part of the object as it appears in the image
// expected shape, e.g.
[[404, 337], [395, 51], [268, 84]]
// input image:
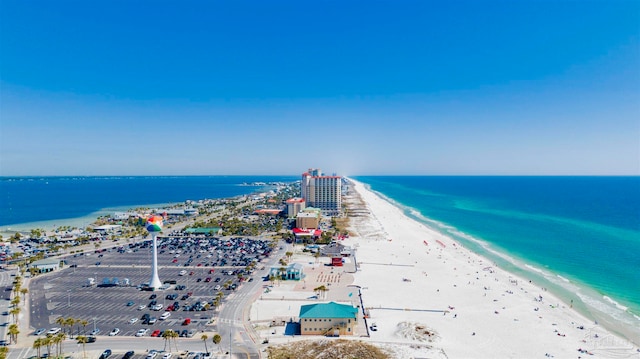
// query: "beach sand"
[[472, 309]]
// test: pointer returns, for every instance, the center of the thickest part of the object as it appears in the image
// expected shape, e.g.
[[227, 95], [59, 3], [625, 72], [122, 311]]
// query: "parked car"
[[95, 331], [54, 331], [40, 331], [133, 320], [155, 333], [165, 315], [152, 354], [187, 321], [114, 332], [130, 303], [128, 355], [142, 332], [105, 354], [167, 356], [142, 307]]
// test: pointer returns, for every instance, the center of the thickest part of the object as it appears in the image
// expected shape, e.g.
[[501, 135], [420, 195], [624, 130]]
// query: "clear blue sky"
[[354, 87]]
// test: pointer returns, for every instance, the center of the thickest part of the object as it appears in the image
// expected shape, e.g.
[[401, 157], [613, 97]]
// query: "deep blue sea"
[[577, 236], [26, 200]]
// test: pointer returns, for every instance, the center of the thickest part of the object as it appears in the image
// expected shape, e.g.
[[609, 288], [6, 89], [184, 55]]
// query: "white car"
[[165, 315], [157, 307], [133, 320], [167, 356], [142, 332], [152, 355], [182, 272], [54, 331], [142, 307], [114, 332]]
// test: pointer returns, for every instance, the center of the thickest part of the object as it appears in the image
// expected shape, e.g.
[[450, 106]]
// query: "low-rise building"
[[46, 265], [294, 271], [294, 206], [307, 220], [328, 319]]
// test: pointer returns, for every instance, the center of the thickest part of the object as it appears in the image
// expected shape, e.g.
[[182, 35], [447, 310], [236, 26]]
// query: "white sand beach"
[[482, 311]]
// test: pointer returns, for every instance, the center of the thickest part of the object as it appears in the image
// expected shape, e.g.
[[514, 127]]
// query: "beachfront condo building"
[[322, 191]]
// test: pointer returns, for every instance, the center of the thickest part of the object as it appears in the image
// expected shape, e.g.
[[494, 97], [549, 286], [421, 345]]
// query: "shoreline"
[[589, 302], [80, 222], [458, 271]]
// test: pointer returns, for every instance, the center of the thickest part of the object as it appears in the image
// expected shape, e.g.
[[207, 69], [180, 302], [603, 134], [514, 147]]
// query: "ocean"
[[577, 236], [48, 202]]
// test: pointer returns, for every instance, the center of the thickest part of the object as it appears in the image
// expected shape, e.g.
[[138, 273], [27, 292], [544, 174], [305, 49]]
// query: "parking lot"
[[197, 267]]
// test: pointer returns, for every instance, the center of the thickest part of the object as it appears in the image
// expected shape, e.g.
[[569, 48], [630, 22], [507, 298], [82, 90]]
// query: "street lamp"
[[94, 324], [68, 298]]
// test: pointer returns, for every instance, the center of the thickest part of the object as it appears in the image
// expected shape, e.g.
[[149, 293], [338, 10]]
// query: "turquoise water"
[[577, 236]]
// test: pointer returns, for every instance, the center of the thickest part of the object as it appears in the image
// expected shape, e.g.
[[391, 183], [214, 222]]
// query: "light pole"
[[68, 298], [94, 324]]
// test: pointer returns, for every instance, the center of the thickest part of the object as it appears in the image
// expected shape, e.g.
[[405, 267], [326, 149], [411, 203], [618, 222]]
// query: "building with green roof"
[[328, 319]]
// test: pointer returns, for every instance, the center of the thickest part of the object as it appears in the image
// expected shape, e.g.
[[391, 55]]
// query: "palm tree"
[[14, 313], [58, 339], [204, 338], [61, 322], [70, 322], [216, 340], [13, 332], [47, 341], [3, 352], [15, 301], [24, 292], [166, 335], [82, 340], [37, 344], [289, 255], [84, 323], [175, 335]]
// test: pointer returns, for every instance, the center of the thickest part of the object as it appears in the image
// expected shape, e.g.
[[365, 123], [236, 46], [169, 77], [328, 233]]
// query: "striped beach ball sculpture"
[[154, 224]]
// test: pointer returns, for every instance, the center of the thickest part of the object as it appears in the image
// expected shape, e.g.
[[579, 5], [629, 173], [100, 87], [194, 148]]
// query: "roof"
[[295, 200], [46, 262], [201, 230], [328, 310], [307, 232], [268, 211]]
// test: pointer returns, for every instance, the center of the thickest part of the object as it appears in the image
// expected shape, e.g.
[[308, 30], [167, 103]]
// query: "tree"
[[166, 335], [321, 290], [15, 311], [58, 339], [289, 255], [70, 322], [84, 323], [48, 341], [216, 340], [61, 322], [24, 292], [13, 332], [4, 350], [37, 345], [204, 338], [82, 340]]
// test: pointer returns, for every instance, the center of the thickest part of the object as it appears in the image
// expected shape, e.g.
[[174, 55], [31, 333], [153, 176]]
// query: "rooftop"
[[328, 310]]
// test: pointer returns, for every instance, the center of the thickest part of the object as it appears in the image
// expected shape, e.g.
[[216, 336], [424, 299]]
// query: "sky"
[[353, 87]]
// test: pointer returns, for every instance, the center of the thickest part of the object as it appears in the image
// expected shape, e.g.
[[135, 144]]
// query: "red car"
[[174, 261], [170, 308], [211, 271], [187, 321], [155, 333], [191, 273], [208, 279]]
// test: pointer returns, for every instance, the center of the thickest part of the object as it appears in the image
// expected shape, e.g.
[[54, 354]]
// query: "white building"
[[324, 192]]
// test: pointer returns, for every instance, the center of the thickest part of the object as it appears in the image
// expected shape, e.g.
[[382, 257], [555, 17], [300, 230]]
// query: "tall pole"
[[155, 279], [230, 330]]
